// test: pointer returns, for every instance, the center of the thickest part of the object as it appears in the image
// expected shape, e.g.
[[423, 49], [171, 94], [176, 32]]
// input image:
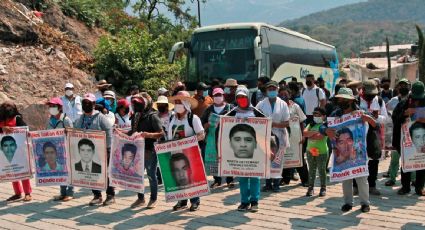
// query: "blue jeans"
[[151, 162], [249, 189], [67, 190]]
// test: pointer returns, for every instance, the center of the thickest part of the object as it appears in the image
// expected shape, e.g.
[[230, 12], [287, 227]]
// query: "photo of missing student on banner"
[[349, 147], [126, 168], [244, 147], [88, 156], [14, 155], [293, 154], [412, 146], [277, 157], [182, 169], [51, 157]]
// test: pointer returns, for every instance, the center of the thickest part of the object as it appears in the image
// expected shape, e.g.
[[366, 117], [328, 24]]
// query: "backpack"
[[189, 119]]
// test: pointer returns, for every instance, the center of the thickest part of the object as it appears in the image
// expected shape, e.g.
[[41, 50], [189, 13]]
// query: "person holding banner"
[[58, 120], [403, 111], [346, 105], [249, 186], [94, 120], [10, 117], [122, 116], [185, 124], [277, 109], [146, 121], [220, 107]]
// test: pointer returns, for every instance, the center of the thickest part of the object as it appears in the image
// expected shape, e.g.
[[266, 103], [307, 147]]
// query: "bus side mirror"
[[176, 47], [257, 48]]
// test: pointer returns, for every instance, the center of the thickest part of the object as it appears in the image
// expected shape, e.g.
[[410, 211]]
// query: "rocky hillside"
[[39, 54]]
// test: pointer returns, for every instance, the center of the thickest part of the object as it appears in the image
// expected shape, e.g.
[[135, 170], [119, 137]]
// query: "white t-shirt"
[[110, 116], [374, 106], [296, 113], [218, 109], [123, 121], [178, 129], [311, 100], [73, 109]]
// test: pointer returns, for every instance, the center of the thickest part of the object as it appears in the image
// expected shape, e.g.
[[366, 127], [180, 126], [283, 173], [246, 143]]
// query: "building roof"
[[383, 48]]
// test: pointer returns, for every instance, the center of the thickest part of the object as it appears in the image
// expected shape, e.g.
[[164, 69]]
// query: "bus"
[[247, 51]]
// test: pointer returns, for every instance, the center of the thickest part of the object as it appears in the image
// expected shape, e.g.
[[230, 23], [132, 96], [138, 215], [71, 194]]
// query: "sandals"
[[27, 198]]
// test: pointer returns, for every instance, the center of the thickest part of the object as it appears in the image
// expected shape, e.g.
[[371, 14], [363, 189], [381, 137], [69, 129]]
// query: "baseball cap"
[[218, 91], [162, 90], [69, 85], [418, 90], [272, 84], [404, 80], [55, 101], [109, 94], [202, 86], [89, 97]]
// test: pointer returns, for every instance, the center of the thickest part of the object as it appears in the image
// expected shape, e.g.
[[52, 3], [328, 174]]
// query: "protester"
[[185, 124], [313, 97], [178, 86], [230, 90], [102, 86], [386, 93], [276, 109], [162, 92], [404, 109], [203, 98], [347, 105], [295, 96], [94, 120], [110, 96], [134, 89], [249, 186], [220, 107], [317, 151], [59, 120], [355, 86], [122, 116], [103, 106], [321, 84], [146, 121], [71, 103], [10, 117], [260, 94]]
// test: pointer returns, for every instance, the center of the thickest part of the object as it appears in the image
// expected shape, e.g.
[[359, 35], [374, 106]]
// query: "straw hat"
[[103, 83], [162, 100], [184, 96]]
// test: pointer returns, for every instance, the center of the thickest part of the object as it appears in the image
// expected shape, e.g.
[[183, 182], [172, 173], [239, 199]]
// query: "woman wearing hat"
[[185, 124], [102, 86], [122, 116], [165, 111], [59, 120], [110, 96]]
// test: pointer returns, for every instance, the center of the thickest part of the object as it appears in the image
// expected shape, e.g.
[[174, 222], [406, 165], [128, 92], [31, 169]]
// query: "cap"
[[123, 103], [109, 94], [418, 90], [231, 82], [272, 84], [69, 85], [346, 93], [162, 90], [370, 87], [202, 86], [55, 101], [242, 90], [218, 91], [89, 97], [404, 80]]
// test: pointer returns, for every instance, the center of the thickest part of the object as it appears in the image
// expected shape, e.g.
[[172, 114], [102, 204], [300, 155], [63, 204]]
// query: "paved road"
[[288, 209]]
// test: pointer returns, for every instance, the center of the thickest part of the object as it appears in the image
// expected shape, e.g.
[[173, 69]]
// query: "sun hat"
[[162, 100], [370, 87], [103, 83], [345, 93], [230, 82], [109, 94], [184, 96]]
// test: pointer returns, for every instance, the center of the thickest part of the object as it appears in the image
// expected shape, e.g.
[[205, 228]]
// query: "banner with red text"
[[349, 147], [292, 157], [182, 169], [126, 166], [88, 157], [412, 146], [51, 157], [244, 147]]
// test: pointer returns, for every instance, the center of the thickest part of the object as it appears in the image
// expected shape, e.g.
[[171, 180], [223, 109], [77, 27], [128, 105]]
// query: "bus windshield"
[[223, 54]]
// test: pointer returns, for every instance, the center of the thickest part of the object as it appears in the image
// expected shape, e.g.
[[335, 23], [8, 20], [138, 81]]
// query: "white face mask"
[[218, 100], [318, 120], [69, 92], [53, 111], [179, 108]]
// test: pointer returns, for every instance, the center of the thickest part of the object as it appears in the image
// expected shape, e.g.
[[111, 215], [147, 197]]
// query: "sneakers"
[[180, 205], [215, 185], [310, 191], [276, 189], [365, 208], [109, 200], [194, 207], [374, 191], [390, 183], [14, 198], [322, 192], [346, 207], [295, 177], [96, 201], [27, 198], [403, 191], [254, 207], [230, 185], [243, 207], [266, 188], [138, 203], [151, 204]]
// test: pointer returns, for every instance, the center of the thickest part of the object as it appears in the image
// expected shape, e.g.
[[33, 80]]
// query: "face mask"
[[404, 91], [242, 102], [227, 90], [179, 108], [344, 106], [87, 107], [218, 100], [162, 109], [369, 97], [284, 98], [138, 107], [318, 120], [53, 111], [309, 83], [205, 93], [272, 94], [69, 92], [386, 87]]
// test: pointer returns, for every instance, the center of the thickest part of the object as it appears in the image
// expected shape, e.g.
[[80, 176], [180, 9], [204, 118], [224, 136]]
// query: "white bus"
[[247, 51]]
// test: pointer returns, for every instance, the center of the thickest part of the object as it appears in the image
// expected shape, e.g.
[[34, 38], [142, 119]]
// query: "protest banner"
[[88, 156], [412, 146], [51, 157], [211, 158], [349, 147], [292, 157], [126, 166], [276, 163], [15, 160], [244, 147], [182, 169]]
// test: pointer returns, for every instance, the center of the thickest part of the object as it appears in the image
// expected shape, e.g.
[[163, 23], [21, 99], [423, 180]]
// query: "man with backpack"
[[313, 97]]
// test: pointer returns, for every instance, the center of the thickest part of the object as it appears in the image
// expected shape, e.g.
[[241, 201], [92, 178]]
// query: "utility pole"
[[199, 14]]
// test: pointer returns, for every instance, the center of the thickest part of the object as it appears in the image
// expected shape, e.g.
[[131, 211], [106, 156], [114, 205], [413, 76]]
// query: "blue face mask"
[[272, 94], [227, 90], [205, 93]]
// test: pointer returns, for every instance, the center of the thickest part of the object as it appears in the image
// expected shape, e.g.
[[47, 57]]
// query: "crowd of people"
[[175, 114]]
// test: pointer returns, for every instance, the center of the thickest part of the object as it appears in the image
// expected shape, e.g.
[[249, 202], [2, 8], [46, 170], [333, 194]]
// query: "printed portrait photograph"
[[86, 153], [50, 155], [417, 133]]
